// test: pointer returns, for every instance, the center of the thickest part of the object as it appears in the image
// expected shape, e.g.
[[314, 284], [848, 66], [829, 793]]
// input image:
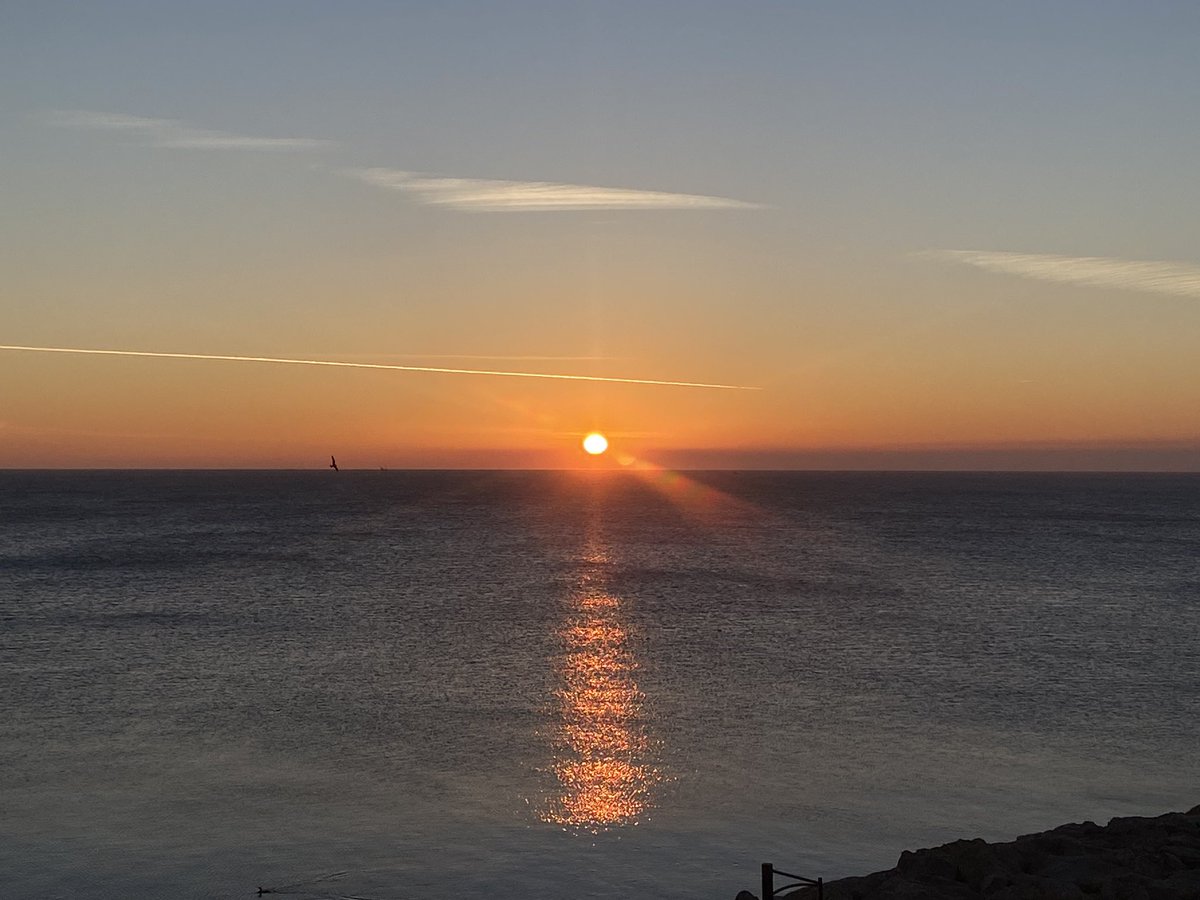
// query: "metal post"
[[768, 881]]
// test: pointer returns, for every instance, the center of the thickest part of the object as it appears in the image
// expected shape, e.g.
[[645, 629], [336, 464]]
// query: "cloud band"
[[481, 195], [176, 134]]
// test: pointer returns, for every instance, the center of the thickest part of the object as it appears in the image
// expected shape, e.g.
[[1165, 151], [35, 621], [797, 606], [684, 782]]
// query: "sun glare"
[[595, 443]]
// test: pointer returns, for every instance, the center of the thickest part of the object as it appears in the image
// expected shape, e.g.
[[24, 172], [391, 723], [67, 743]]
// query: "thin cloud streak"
[[507, 358], [176, 134], [1157, 277], [481, 195], [354, 365]]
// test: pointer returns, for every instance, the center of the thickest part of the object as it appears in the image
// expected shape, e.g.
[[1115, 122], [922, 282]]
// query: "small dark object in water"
[[301, 886]]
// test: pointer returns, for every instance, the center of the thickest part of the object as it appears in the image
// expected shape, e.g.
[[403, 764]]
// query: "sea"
[[425, 685]]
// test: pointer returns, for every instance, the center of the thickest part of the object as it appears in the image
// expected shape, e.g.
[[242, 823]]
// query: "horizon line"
[[602, 470]]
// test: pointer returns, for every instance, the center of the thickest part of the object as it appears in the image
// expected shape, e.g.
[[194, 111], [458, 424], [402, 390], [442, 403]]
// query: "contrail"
[[354, 365]]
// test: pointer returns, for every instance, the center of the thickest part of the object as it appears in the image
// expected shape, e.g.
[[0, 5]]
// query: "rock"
[[922, 865], [1180, 886], [1124, 887], [1131, 858]]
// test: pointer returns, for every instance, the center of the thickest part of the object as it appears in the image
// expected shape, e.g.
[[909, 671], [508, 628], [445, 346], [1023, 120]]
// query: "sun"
[[595, 443]]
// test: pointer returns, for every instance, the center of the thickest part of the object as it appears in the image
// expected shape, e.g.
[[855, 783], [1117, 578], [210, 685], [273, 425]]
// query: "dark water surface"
[[566, 684]]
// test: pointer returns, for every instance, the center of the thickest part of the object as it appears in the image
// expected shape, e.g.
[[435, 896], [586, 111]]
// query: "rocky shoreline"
[[1131, 858]]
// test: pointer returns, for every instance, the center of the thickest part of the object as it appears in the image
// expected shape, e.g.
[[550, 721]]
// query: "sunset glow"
[[203, 276], [515, 450]]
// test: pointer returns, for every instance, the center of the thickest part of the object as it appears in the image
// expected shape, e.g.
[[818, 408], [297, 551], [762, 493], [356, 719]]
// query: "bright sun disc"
[[595, 443]]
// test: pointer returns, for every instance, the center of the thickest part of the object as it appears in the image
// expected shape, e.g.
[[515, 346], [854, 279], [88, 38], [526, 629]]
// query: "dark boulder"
[[1131, 858]]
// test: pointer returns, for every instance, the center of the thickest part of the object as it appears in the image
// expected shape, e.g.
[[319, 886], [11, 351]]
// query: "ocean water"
[[608, 685]]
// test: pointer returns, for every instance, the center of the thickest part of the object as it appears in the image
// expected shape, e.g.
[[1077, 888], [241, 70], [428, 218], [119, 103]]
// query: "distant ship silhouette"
[[333, 463]]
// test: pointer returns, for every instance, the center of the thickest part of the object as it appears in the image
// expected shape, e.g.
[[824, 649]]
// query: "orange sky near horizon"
[[199, 414]]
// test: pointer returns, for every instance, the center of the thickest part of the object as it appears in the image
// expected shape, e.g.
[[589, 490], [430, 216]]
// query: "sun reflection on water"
[[601, 749]]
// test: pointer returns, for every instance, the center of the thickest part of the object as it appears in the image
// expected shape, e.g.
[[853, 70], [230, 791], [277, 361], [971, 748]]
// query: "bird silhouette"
[[333, 463]]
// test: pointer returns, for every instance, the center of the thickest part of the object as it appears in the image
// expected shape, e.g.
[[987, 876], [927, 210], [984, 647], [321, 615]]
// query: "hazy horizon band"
[[353, 365]]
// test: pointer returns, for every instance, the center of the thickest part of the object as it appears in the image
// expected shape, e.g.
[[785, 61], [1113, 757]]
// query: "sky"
[[931, 235]]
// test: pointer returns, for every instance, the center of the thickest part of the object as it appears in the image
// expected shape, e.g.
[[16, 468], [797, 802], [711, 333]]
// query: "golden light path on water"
[[353, 365], [603, 752], [601, 748]]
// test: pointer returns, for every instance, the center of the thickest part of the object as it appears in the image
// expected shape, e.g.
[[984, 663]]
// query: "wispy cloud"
[[480, 195], [176, 134], [1178, 279]]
